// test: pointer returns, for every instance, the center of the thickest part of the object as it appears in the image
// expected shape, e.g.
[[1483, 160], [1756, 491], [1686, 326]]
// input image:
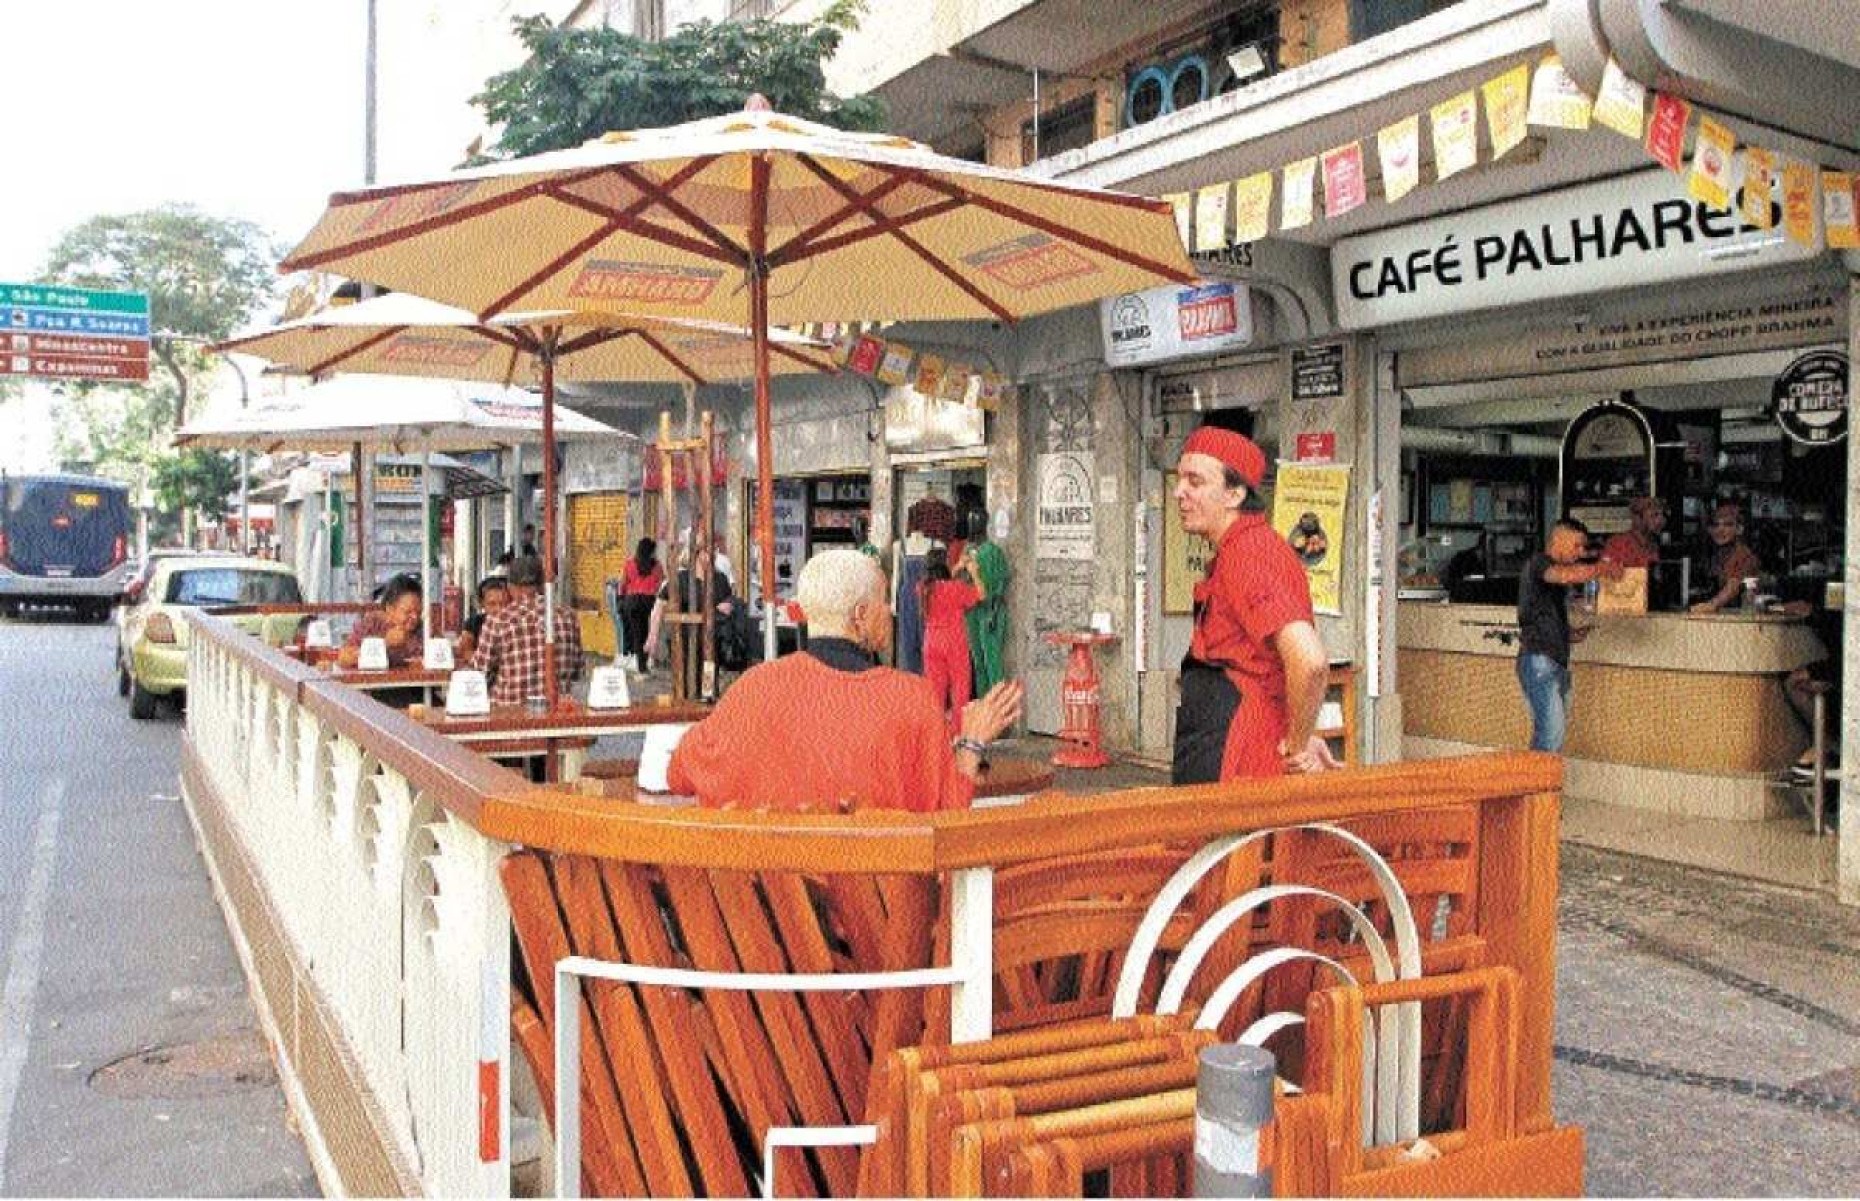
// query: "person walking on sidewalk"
[[1544, 636], [946, 601], [639, 589]]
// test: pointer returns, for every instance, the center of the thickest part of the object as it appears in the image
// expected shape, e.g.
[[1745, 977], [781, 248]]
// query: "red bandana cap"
[[1233, 450]]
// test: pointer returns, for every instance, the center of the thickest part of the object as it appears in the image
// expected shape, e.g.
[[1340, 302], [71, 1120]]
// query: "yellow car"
[[151, 650]]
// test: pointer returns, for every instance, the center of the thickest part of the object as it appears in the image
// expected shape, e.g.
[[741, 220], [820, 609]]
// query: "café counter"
[[1673, 712]]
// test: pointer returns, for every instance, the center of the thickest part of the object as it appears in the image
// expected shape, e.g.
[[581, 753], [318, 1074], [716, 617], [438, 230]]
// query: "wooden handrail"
[[504, 808]]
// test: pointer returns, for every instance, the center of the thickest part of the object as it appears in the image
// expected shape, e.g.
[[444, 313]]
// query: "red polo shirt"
[[1255, 587]]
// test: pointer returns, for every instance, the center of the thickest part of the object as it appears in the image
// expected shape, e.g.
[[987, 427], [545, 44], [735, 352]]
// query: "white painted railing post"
[[972, 954]]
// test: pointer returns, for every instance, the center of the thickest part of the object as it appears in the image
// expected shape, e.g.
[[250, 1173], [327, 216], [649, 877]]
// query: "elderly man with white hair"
[[830, 729]]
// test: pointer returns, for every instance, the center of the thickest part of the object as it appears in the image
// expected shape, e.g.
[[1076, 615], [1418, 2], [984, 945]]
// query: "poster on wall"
[[1064, 527], [1308, 508], [790, 512]]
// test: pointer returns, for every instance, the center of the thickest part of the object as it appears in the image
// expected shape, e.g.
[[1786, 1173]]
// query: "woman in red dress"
[[946, 601]]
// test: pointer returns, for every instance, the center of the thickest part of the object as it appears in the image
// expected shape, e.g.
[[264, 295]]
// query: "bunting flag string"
[[1816, 203], [936, 376]]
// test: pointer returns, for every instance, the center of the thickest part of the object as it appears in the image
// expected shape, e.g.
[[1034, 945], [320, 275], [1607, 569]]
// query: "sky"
[[247, 109]]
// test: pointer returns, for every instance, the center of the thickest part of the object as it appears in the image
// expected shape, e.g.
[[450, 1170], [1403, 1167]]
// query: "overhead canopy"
[[389, 413], [402, 334]]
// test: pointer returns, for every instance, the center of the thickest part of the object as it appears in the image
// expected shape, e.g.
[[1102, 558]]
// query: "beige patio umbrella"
[[401, 334], [755, 218]]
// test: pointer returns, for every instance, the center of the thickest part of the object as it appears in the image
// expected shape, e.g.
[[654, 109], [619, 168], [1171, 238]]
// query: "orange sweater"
[[797, 734]]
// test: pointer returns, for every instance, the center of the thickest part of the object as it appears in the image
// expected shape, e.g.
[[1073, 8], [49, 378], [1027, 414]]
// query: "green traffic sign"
[[56, 296]]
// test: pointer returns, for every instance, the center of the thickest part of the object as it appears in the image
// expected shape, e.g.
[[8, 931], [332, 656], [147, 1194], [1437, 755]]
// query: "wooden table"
[[388, 679], [562, 734]]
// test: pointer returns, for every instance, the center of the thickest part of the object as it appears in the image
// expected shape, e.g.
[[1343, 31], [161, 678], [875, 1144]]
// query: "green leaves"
[[197, 479], [580, 83]]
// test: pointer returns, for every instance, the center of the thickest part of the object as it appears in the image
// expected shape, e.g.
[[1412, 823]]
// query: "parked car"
[[151, 652]]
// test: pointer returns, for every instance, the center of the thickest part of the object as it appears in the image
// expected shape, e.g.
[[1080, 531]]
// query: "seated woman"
[[830, 729], [396, 622]]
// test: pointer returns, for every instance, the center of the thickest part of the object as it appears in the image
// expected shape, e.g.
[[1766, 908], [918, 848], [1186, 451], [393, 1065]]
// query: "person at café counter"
[[829, 728], [1639, 544], [1544, 636], [396, 621], [1732, 561], [1256, 670], [512, 646]]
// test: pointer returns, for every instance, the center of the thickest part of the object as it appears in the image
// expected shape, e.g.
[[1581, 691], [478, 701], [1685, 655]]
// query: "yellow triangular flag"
[[1456, 134], [1399, 148], [1622, 103], [1253, 207], [1837, 211], [1506, 104], [1800, 210], [1556, 101], [1710, 179], [1757, 205], [1211, 217], [1296, 195]]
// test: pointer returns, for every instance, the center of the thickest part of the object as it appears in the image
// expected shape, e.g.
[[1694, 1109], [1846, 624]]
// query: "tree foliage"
[[205, 276], [577, 84], [201, 480]]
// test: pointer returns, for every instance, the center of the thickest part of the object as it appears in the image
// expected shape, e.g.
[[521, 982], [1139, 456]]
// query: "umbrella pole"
[[426, 550], [361, 525], [765, 455], [552, 684]]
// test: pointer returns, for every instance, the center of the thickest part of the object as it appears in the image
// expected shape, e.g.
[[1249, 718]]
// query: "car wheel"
[[142, 702]]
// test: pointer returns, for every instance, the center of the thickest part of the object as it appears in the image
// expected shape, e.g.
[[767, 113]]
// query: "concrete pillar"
[[1848, 870], [1117, 450]]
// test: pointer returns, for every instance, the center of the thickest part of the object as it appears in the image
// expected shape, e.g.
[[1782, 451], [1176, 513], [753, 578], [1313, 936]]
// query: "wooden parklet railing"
[[379, 848]]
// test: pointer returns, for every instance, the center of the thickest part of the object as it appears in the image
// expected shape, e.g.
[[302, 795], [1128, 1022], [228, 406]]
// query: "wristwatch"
[[964, 743]]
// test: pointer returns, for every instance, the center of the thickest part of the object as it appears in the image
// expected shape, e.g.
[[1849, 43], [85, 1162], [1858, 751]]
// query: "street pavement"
[[130, 1057], [1708, 1027]]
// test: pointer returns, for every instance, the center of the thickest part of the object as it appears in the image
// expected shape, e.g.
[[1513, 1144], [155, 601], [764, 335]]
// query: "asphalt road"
[[130, 1057]]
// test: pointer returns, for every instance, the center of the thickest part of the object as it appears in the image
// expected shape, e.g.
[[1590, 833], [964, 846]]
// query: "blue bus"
[[64, 540]]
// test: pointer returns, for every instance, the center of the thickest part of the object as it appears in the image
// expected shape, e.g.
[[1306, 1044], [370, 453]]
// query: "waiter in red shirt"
[[1639, 544], [1256, 669]]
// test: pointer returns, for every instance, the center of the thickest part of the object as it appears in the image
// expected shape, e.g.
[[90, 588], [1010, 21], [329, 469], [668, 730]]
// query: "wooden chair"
[[680, 1089]]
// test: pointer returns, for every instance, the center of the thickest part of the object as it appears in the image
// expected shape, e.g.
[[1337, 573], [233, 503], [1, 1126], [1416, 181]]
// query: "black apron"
[[1209, 702]]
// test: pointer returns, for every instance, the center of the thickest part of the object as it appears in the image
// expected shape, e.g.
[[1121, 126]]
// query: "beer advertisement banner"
[[1622, 104], [1759, 188], [1456, 134], [1309, 507], [1211, 217], [1253, 207], [1666, 131], [1556, 101], [1344, 186], [1399, 148], [1710, 179], [1298, 181], [1506, 105]]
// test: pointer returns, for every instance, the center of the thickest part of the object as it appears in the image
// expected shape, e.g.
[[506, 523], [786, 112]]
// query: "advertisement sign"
[[1308, 511], [1811, 398], [1064, 526], [1631, 232], [1174, 322]]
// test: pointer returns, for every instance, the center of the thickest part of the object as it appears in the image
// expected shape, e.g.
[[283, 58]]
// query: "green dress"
[[988, 621]]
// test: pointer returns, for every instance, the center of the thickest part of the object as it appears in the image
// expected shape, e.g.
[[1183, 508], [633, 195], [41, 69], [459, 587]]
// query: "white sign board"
[[608, 689], [1618, 233], [1175, 322], [1063, 528], [373, 655], [318, 634], [467, 695], [438, 655]]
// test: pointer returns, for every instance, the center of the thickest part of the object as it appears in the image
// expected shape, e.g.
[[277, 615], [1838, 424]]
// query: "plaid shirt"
[[511, 649]]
